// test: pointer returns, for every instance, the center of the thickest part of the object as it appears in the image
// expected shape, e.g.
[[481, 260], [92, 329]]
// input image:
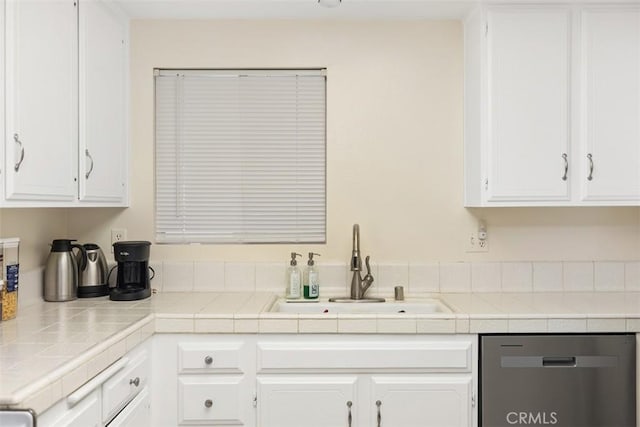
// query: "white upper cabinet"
[[103, 107], [552, 106], [66, 107], [610, 92], [528, 103], [41, 100]]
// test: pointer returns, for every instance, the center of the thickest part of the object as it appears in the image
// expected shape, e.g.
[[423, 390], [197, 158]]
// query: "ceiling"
[[296, 9]]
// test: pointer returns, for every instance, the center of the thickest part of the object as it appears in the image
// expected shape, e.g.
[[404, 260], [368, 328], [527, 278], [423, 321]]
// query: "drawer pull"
[[379, 418], [349, 417], [208, 360], [208, 403], [135, 381]]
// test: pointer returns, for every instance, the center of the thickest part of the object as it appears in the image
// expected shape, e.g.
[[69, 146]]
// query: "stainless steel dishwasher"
[[563, 380]]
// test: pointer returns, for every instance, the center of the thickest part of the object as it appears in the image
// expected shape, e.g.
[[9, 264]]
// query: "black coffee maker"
[[132, 281]]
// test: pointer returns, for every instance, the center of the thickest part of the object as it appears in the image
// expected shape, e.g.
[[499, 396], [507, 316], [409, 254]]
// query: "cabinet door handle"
[[590, 157], [135, 381], [349, 404], [566, 166], [208, 360], [379, 404], [96, 382], [16, 139], [86, 153], [208, 403]]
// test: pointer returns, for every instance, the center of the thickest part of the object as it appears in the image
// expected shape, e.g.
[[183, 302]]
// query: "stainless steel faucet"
[[359, 285]]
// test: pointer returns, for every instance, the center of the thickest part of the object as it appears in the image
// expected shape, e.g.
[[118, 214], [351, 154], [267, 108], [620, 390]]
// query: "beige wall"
[[36, 228], [394, 147]]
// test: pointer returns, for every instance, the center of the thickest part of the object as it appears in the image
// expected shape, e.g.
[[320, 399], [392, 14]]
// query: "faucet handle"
[[368, 279], [366, 262]]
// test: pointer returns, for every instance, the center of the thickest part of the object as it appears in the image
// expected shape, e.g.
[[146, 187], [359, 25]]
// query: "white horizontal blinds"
[[240, 157]]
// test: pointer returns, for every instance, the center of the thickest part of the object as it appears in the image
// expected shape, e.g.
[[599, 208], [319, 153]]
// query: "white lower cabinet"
[[422, 400], [118, 390], [364, 400], [137, 413], [118, 396], [314, 381], [203, 380], [85, 414], [309, 400]]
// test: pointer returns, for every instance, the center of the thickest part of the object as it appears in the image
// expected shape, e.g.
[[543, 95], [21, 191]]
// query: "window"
[[240, 156]]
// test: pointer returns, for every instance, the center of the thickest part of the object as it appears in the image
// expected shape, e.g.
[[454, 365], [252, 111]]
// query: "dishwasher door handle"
[[559, 361], [563, 362]]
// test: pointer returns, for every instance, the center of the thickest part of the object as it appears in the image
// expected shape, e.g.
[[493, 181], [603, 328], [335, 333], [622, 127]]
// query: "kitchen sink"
[[414, 306]]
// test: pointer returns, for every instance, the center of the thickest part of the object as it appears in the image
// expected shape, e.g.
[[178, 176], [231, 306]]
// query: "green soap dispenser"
[[311, 280], [293, 278]]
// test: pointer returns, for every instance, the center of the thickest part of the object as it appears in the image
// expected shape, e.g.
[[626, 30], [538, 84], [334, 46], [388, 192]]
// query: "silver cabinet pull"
[[208, 360], [590, 157], [16, 139], [566, 166], [349, 404], [135, 381], [86, 153], [379, 404], [208, 403]]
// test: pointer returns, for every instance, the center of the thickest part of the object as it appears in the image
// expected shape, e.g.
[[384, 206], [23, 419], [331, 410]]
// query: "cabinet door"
[[103, 103], [310, 401], [85, 413], [121, 387], [528, 51], [419, 401], [610, 157], [136, 414], [41, 100]]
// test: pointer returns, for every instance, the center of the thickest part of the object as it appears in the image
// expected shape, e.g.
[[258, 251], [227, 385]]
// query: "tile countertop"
[[51, 349]]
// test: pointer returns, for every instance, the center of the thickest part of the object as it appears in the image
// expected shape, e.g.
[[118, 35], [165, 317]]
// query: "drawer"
[[432, 356], [212, 400], [136, 414], [210, 358], [123, 386]]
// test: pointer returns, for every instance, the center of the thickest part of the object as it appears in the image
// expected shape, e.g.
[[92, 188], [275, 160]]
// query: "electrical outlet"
[[117, 235], [477, 240]]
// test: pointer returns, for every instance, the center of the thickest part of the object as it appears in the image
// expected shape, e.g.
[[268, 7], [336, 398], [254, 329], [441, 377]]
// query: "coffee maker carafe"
[[132, 279]]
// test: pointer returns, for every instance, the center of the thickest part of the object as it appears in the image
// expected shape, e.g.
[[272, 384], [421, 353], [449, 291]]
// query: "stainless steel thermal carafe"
[[61, 271]]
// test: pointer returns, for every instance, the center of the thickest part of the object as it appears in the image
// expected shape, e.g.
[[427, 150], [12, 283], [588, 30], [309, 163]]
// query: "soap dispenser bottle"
[[293, 278], [310, 281]]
